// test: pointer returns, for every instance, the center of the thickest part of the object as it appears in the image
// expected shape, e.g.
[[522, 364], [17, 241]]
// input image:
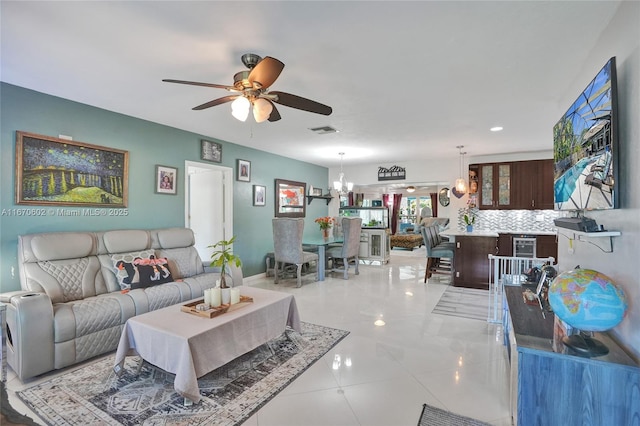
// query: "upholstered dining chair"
[[351, 228], [287, 246]]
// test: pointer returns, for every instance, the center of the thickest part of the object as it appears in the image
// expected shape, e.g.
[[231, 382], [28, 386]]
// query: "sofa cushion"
[[183, 262], [127, 272], [68, 245], [122, 241], [152, 272]]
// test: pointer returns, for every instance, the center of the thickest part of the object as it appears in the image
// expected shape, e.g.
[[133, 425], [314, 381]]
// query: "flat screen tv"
[[585, 147]]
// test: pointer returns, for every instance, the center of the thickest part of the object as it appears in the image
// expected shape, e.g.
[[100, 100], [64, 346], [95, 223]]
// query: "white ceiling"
[[406, 80]]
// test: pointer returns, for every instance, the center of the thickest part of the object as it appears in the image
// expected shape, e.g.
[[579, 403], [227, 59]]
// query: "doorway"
[[208, 204]]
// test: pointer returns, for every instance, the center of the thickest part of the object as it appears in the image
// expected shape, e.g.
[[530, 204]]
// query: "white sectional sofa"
[[75, 300]]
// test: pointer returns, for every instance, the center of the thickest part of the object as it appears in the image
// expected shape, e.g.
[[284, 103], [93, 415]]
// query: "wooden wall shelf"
[[327, 198]]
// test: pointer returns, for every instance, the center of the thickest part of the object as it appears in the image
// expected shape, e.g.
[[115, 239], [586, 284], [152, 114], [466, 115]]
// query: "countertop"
[[478, 233], [492, 233]]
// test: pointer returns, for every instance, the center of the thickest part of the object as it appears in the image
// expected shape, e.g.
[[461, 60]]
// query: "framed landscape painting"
[[53, 171]]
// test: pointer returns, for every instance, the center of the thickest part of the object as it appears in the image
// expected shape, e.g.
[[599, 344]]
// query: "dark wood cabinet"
[[547, 245], [525, 185], [505, 245], [471, 263], [532, 185]]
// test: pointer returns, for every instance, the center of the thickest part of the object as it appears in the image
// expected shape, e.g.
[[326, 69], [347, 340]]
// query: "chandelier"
[[341, 185], [461, 183]]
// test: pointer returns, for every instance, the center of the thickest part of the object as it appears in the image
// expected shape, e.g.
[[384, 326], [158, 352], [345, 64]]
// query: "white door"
[[208, 205]]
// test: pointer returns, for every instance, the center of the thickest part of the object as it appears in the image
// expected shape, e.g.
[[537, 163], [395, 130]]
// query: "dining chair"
[[349, 249], [287, 245]]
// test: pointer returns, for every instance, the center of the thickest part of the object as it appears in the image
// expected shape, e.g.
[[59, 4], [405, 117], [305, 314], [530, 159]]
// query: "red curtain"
[[434, 203], [395, 209]]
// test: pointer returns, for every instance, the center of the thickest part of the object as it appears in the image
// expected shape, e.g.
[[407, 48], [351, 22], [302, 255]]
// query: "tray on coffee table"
[[214, 312]]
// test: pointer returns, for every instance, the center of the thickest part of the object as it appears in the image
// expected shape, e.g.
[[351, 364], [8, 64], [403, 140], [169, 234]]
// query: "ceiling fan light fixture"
[[261, 109], [240, 108]]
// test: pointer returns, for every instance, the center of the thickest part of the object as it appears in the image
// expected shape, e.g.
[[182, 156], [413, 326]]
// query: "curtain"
[[434, 203], [395, 209]]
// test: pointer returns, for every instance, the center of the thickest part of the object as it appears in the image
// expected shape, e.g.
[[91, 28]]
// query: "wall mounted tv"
[[585, 147]]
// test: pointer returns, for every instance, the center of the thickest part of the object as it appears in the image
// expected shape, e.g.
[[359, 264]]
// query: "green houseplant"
[[222, 256], [469, 220]]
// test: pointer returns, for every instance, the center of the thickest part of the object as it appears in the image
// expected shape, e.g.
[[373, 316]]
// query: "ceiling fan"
[[251, 89]]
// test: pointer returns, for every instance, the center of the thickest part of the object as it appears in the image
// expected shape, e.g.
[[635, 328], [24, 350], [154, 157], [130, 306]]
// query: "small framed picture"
[[166, 180], [259, 195], [244, 170], [211, 151], [317, 192]]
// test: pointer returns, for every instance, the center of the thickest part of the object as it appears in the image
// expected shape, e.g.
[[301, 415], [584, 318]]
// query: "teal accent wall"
[[149, 144]]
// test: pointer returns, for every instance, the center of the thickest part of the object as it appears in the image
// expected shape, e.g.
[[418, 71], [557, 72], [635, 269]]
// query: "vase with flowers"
[[469, 220], [325, 225]]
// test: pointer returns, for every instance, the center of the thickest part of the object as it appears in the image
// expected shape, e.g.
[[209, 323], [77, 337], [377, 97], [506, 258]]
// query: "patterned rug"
[[464, 302], [230, 394], [432, 416]]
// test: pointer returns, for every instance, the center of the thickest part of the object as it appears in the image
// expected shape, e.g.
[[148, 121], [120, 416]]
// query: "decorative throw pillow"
[[151, 272], [126, 271]]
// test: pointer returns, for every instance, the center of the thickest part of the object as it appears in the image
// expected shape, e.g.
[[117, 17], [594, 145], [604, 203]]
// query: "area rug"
[[432, 416], [230, 394], [464, 302]]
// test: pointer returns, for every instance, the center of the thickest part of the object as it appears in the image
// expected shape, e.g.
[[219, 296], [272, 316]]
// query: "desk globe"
[[588, 301]]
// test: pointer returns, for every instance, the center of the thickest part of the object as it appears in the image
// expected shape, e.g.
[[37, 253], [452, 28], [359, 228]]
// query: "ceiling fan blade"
[[265, 72], [275, 115], [195, 83], [298, 102], [215, 102]]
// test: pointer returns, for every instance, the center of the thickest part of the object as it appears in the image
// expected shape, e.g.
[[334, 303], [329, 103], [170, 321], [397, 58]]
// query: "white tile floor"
[[381, 375]]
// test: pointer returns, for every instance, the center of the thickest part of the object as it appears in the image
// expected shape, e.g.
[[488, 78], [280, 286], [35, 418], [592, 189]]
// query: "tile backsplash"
[[511, 220]]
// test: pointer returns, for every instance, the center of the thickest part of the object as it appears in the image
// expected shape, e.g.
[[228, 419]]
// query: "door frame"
[[227, 188]]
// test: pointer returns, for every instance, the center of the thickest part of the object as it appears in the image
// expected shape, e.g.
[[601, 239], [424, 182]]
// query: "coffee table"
[[191, 346]]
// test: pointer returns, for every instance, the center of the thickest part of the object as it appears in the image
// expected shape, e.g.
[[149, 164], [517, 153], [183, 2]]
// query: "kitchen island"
[[471, 258], [471, 261]]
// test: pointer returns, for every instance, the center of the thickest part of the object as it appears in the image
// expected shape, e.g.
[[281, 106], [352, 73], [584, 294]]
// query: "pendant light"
[[461, 183], [341, 185]]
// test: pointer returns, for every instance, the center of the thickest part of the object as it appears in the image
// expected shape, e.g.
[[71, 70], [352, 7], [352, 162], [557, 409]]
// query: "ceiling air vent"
[[323, 130]]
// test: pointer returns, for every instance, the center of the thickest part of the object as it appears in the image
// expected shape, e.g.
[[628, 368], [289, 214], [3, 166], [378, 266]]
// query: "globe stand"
[[585, 345]]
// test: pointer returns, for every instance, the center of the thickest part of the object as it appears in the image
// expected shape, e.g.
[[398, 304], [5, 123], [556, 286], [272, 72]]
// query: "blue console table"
[[550, 388]]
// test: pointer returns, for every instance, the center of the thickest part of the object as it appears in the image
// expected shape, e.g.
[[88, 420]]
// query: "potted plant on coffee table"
[[222, 256]]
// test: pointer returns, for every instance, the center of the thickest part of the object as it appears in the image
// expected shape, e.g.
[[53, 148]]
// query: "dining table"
[[321, 244]]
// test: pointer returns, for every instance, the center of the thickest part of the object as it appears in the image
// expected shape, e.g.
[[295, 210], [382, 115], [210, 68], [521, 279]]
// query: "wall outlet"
[[539, 218]]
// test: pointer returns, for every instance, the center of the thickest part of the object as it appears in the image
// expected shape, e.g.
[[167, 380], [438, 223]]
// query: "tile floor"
[[381, 375]]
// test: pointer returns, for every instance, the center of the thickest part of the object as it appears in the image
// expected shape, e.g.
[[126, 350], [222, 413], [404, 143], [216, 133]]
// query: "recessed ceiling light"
[[496, 129]]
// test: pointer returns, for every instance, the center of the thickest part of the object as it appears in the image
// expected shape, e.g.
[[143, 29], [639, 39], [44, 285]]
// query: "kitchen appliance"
[[524, 245]]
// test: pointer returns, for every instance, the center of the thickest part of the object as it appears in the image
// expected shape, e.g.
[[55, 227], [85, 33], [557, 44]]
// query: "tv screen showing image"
[[585, 147]]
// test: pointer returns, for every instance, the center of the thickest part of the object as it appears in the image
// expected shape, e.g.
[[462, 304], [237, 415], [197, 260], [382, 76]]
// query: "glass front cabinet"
[[495, 185], [375, 239]]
